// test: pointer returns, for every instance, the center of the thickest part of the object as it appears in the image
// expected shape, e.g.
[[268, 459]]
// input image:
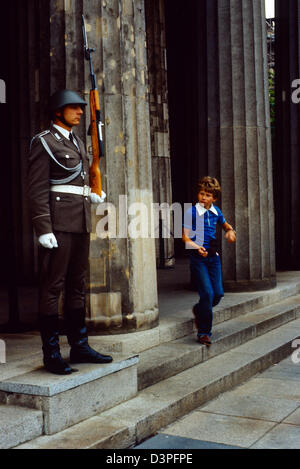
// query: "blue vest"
[[203, 223]]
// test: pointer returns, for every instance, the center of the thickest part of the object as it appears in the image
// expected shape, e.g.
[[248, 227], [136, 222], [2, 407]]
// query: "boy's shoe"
[[205, 340]]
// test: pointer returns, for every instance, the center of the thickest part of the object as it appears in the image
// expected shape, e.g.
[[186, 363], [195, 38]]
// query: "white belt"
[[69, 189]]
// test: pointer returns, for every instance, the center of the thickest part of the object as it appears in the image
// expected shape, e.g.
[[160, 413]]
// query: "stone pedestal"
[[67, 400]]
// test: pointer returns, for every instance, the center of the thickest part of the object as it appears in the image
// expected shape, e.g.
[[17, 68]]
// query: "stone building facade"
[[184, 93]]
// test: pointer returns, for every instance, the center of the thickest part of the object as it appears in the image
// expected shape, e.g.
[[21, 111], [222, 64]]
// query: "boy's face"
[[206, 198]]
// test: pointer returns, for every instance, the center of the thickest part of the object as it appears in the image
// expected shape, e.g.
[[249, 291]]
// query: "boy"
[[205, 263]]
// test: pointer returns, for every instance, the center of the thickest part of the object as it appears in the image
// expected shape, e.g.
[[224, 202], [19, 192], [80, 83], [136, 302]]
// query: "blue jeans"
[[207, 274]]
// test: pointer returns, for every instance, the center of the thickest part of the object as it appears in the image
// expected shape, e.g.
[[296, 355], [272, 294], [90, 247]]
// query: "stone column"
[[287, 134], [245, 145], [123, 286]]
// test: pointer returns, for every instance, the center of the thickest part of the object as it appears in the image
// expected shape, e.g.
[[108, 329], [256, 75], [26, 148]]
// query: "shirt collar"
[[63, 131], [201, 210]]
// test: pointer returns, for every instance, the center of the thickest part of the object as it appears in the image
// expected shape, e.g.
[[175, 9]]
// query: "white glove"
[[96, 199], [48, 241]]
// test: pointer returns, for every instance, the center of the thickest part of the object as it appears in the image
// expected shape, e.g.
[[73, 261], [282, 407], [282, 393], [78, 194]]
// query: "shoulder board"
[[41, 134]]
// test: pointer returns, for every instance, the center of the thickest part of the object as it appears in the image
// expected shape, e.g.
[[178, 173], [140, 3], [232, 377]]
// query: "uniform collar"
[[201, 210], [63, 131]]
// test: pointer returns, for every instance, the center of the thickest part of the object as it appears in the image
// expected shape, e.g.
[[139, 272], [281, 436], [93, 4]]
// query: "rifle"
[[95, 129]]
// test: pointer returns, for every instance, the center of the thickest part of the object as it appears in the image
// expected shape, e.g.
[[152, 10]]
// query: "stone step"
[[180, 323], [24, 350], [19, 425], [129, 423], [168, 359], [67, 400]]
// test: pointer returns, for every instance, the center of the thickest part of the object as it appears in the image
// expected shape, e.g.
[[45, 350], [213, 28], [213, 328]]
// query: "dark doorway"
[[25, 58], [191, 37], [286, 163]]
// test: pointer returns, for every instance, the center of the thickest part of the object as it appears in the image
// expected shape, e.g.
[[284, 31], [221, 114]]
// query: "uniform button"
[[86, 198], [58, 199], [67, 156]]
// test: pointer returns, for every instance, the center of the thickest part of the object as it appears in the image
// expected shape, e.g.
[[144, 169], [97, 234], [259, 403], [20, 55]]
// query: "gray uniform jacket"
[[55, 211]]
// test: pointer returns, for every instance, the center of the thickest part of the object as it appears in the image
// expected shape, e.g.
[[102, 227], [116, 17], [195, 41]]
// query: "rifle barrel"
[[88, 54]]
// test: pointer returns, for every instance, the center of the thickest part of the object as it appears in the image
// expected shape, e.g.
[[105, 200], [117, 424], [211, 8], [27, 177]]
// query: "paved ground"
[[263, 413]]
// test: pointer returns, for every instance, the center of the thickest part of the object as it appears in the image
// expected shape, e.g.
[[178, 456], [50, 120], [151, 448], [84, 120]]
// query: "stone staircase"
[[120, 404]]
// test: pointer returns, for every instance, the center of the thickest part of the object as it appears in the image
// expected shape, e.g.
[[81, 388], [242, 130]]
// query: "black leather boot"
[[80, 351], [53, 360]]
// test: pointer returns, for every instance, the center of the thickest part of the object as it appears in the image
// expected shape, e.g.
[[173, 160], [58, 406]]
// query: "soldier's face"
[[71, 115]]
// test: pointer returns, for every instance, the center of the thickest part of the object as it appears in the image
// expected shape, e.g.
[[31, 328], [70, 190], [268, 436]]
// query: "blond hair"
[[210, 184]]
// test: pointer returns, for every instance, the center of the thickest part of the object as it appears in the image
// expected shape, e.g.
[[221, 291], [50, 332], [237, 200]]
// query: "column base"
[[131, 323], [105, 315], [249, 285]]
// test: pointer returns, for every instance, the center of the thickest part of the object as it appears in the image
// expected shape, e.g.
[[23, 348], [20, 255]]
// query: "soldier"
[[60, 198]]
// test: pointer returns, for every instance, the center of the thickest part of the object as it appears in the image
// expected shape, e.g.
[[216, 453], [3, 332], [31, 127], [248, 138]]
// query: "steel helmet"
[[64, 97]]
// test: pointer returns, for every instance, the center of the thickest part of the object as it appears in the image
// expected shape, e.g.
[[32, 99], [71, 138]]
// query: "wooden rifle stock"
[[95, 175], [95, 130]]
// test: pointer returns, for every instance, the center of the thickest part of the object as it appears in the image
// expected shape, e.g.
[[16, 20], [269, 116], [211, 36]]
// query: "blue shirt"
[[203, 223]]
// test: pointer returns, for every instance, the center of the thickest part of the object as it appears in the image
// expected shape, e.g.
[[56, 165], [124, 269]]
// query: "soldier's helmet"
[[62, 98]]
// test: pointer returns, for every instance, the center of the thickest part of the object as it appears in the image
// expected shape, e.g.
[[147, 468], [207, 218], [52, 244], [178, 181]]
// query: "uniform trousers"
[[207, 274], [63, 268]]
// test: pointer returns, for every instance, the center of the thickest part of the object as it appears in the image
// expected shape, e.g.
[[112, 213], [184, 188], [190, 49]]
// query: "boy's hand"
[[230, 236], [202, 251]]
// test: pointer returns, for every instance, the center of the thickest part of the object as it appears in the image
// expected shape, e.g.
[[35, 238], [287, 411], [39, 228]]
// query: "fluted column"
[[123, 286], [220, 124], [245, 145]]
